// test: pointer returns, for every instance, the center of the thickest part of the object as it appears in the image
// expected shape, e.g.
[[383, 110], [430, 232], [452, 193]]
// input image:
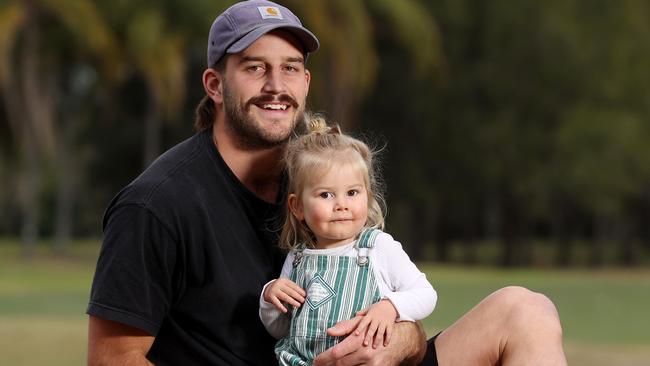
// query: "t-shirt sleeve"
[[133, 281]]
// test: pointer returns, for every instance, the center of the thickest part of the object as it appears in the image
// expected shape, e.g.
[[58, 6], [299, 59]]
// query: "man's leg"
[[512, 326]]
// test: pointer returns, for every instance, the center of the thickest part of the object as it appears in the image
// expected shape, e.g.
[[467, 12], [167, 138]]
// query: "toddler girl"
[[340, 264]]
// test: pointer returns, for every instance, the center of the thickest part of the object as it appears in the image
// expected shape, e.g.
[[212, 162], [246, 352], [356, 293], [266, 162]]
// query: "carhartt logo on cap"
[[270, 12]]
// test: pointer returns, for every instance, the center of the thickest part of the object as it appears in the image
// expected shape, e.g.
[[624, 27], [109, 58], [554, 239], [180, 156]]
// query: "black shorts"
[[430, 358]]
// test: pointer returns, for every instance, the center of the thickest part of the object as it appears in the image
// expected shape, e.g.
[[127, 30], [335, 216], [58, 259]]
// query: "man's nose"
[[274, 82]]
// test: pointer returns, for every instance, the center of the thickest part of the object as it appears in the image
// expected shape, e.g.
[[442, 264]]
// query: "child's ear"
[[295, 207]]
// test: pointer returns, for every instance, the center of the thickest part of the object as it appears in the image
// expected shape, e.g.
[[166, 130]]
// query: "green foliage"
[[538, 121], [345, 68], [605, 157], [502, 119]]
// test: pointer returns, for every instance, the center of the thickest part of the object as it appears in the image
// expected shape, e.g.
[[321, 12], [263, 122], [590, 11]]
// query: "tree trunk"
[[29, 183], [67, 170], [469, 250], [423, 228], [509, 231], [28, 188], [401, 223], [38, 123], [440, 237], [65, 193], [560, 227], [418, 233], [624, 238], [340, 101], [493, 218], [11, 97], [602, 228], [469, 238]]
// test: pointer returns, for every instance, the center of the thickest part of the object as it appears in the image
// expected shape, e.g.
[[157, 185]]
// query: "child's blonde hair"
[[313, 154]]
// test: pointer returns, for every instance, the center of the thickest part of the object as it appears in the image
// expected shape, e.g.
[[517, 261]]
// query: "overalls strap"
[[366, 241], [367, 238], [298, 255]]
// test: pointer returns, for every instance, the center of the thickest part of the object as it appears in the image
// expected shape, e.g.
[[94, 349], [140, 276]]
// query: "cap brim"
[[307, 38]]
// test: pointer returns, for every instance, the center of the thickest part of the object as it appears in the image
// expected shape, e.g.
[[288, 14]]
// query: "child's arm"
[[284, 290], [408, 288], [275, 320]]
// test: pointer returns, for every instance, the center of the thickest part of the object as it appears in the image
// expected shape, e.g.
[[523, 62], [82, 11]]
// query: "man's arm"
[[407, 346], [112, 343]]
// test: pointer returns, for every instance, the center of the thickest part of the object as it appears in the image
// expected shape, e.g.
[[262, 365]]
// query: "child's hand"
[[379, 318], [284, 290]]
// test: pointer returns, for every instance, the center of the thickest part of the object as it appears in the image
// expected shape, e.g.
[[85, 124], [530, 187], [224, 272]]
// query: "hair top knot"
[[318, 125]]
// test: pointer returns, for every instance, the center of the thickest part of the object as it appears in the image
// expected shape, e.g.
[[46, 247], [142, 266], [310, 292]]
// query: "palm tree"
[[158, 54], [28, 77], [154, 38], [346, 66]]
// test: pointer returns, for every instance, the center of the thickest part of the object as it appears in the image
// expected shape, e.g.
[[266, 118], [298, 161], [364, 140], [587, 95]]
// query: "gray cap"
[[243, 23]]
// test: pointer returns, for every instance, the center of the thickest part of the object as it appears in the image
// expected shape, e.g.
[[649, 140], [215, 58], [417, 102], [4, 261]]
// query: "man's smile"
[[274, 107]]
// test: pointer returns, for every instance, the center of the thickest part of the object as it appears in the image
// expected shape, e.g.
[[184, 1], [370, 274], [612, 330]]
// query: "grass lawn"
[[604, 313]]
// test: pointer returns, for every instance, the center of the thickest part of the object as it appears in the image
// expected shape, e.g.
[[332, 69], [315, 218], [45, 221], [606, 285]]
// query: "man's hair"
[[206, 111]]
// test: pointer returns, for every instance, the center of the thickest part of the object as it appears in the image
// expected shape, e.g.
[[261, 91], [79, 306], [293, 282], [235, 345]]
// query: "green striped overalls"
[[337, 287]]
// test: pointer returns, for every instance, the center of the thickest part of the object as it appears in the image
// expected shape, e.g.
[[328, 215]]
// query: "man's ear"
[[295, 207], [307, 78], [213, 85]]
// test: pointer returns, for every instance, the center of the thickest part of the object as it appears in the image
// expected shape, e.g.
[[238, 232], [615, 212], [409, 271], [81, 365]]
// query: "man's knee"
[[513, 296], [526, 308]]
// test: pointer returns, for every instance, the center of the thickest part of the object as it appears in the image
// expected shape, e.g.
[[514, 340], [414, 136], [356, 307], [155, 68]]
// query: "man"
[[189, 244]]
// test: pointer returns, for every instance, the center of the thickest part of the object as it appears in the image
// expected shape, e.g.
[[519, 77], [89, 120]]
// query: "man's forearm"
[[111, 343], [126, 359], [409, 340]]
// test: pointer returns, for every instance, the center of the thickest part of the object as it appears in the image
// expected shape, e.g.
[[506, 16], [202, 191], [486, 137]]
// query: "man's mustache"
[[267, 98]]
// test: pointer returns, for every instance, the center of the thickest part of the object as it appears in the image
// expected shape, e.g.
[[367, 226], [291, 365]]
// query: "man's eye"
[[255, 69]]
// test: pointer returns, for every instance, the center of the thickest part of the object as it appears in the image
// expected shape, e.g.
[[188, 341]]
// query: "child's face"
[[334, 207]]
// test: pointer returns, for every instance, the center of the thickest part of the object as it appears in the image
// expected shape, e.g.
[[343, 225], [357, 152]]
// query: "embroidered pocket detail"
[[318, 292]]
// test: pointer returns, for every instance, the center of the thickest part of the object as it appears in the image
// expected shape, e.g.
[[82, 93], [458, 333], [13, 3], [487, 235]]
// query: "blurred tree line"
[[505, 123]]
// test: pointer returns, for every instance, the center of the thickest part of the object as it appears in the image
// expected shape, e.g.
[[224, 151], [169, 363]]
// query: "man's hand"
[[284, 290], [377, 323], [407, 347], [351, 350]]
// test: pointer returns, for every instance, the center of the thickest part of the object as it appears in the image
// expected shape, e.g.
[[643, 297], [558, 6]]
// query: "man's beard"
[[251, 134]]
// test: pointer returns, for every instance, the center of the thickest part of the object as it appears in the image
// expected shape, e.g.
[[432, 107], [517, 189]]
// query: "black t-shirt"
[[186, 251]]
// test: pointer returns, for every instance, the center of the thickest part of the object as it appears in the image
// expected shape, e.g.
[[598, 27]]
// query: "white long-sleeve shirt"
[[398, 280]]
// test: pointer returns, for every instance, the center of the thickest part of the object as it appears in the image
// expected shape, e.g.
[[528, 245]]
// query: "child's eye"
[[326, 195], [353, 192]]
